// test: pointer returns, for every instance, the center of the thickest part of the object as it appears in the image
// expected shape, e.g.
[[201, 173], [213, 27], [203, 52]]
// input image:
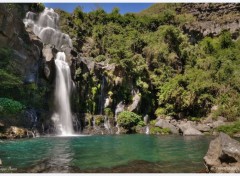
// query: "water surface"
[[122, 153]]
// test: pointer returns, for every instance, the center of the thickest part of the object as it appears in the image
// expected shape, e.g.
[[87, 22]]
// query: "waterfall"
[[63, 116], [47, 29], [147, 130], [102, 96]]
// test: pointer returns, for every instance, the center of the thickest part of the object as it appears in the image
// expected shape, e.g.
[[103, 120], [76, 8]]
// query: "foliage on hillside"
[[173, 76]]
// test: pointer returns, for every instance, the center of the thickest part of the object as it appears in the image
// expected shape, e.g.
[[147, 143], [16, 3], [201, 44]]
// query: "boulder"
[[174, 122], [223, 155], [203, 127], [218, 123], [16, 132], [237, 135], [192, 132], [168, 118], [223, 119], [207, 120], [188, 129], [165, 124]]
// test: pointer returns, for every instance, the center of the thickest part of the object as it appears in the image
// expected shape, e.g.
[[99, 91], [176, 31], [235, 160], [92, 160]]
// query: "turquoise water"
[[123, 153]]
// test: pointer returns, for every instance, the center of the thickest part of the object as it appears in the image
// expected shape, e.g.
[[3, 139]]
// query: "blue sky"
[[87, 7]]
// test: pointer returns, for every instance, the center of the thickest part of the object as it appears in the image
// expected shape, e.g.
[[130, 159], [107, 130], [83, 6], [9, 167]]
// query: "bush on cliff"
[[10, 106], [128, 120]]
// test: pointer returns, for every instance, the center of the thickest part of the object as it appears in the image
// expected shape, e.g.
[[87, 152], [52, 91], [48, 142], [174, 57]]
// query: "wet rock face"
[[25, 47], [223, 155]]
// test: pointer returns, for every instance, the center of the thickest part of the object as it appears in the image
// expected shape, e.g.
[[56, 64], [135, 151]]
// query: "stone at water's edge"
[[14, 132], [223, 155], [165, 124], [188, 129]]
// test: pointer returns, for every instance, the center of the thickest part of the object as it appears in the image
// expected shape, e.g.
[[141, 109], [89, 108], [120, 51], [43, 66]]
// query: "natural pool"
[[117, 153]]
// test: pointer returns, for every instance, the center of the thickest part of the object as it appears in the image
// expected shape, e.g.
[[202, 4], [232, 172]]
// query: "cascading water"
[[102, 96], [63, 115], [46, 28]]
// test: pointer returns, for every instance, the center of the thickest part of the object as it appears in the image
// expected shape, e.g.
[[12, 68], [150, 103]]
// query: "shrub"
[[160, 111], [141, 123], [100, 58], [108, 112], [158, 130], [230, 129], [127, 119], [153, 122], [196, 119], [99, 119], [226, 40], [10, 106]]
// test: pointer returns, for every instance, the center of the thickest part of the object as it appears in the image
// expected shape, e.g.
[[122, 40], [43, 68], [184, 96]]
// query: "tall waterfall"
[[46, 27], [63, 116]]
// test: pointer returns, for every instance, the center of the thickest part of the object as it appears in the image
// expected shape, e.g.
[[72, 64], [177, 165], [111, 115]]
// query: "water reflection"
[[61, 155]]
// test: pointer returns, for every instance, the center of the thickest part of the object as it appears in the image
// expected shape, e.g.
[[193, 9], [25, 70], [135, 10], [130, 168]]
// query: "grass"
[[230, 129]]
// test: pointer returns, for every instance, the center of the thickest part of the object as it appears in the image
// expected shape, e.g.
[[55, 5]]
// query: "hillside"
[[201, 19]]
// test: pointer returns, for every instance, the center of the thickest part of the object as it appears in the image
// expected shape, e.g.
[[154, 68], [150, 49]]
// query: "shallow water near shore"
[[114, 153]]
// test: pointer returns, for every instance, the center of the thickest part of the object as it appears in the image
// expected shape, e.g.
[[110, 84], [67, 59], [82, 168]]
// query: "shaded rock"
[[122, 130], [165, 124], [223, 155], [1, 124], [174, 122], [141, 130]]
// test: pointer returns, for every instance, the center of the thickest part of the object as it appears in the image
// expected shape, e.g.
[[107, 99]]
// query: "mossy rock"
[[158, 130]]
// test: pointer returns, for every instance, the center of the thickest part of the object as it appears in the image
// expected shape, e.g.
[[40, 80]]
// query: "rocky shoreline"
[[176, 127]]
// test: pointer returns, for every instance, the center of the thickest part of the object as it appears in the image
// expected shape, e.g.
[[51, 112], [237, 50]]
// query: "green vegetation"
[[158, 130], [230, 129], [99, 119], [9, 106], [128, 120]]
